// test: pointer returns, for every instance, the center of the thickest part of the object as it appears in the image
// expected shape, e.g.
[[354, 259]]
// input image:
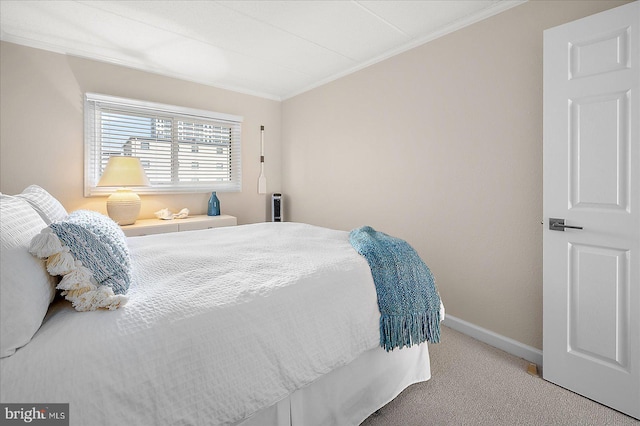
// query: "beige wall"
[[41, 128], [442, 146]]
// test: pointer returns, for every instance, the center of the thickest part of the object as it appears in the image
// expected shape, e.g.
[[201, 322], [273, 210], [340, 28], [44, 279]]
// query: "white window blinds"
[[181, 149]]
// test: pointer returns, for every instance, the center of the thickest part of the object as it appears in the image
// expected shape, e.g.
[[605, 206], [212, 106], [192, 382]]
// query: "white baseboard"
[[506, 344]]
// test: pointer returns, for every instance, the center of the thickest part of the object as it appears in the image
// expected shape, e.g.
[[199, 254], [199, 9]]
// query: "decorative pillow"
[[26, 290], [44, 203], [90, 251]]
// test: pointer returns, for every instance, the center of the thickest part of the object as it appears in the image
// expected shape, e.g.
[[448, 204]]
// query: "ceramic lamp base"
[[123, 206]]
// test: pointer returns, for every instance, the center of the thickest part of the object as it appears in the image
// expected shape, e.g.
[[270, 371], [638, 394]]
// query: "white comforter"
[[219, 324]]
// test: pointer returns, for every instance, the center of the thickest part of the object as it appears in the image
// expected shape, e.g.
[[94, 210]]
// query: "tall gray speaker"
[[277, 208]]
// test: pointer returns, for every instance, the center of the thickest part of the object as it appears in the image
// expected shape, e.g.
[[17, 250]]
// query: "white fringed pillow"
[[26, 289], [90, 252]]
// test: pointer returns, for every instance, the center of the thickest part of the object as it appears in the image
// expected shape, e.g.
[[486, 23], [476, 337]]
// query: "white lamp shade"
[[123, 206], [124, 171]]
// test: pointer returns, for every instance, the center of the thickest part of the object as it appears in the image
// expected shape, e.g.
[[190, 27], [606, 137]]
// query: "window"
[[181, 149]]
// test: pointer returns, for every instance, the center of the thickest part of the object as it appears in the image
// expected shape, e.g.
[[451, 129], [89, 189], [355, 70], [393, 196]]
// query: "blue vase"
[[214, 205]]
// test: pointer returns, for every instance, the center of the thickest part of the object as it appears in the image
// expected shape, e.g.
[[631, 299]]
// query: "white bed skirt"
[[349, 394]]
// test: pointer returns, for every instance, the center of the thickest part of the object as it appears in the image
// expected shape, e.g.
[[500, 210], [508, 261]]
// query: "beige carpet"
[[476, 384]]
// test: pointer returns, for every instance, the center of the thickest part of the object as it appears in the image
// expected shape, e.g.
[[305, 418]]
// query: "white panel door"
[[592, 180]]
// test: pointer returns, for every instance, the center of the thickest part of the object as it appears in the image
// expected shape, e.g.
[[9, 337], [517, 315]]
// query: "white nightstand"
[[192, 223]]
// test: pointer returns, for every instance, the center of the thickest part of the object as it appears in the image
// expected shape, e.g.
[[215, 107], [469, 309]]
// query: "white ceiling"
[[273, 49]]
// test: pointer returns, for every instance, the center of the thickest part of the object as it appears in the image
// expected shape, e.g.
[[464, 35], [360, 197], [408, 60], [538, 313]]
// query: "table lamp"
[[123, 206]]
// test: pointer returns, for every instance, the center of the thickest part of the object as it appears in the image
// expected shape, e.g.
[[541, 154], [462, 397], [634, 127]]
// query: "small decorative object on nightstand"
[[214, 205]]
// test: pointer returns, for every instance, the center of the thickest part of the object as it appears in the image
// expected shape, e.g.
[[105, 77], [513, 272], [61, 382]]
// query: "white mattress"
[[220, 324]]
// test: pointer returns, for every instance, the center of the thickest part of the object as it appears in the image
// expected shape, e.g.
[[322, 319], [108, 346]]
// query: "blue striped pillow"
[[99, 243]]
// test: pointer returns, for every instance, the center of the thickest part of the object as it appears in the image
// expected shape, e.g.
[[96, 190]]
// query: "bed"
[[261, 324]]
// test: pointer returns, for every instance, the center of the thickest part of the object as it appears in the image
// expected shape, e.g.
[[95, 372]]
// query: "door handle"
[[558, 225]]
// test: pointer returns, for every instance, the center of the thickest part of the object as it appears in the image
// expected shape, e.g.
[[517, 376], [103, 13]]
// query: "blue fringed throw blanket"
[[407, 296]]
